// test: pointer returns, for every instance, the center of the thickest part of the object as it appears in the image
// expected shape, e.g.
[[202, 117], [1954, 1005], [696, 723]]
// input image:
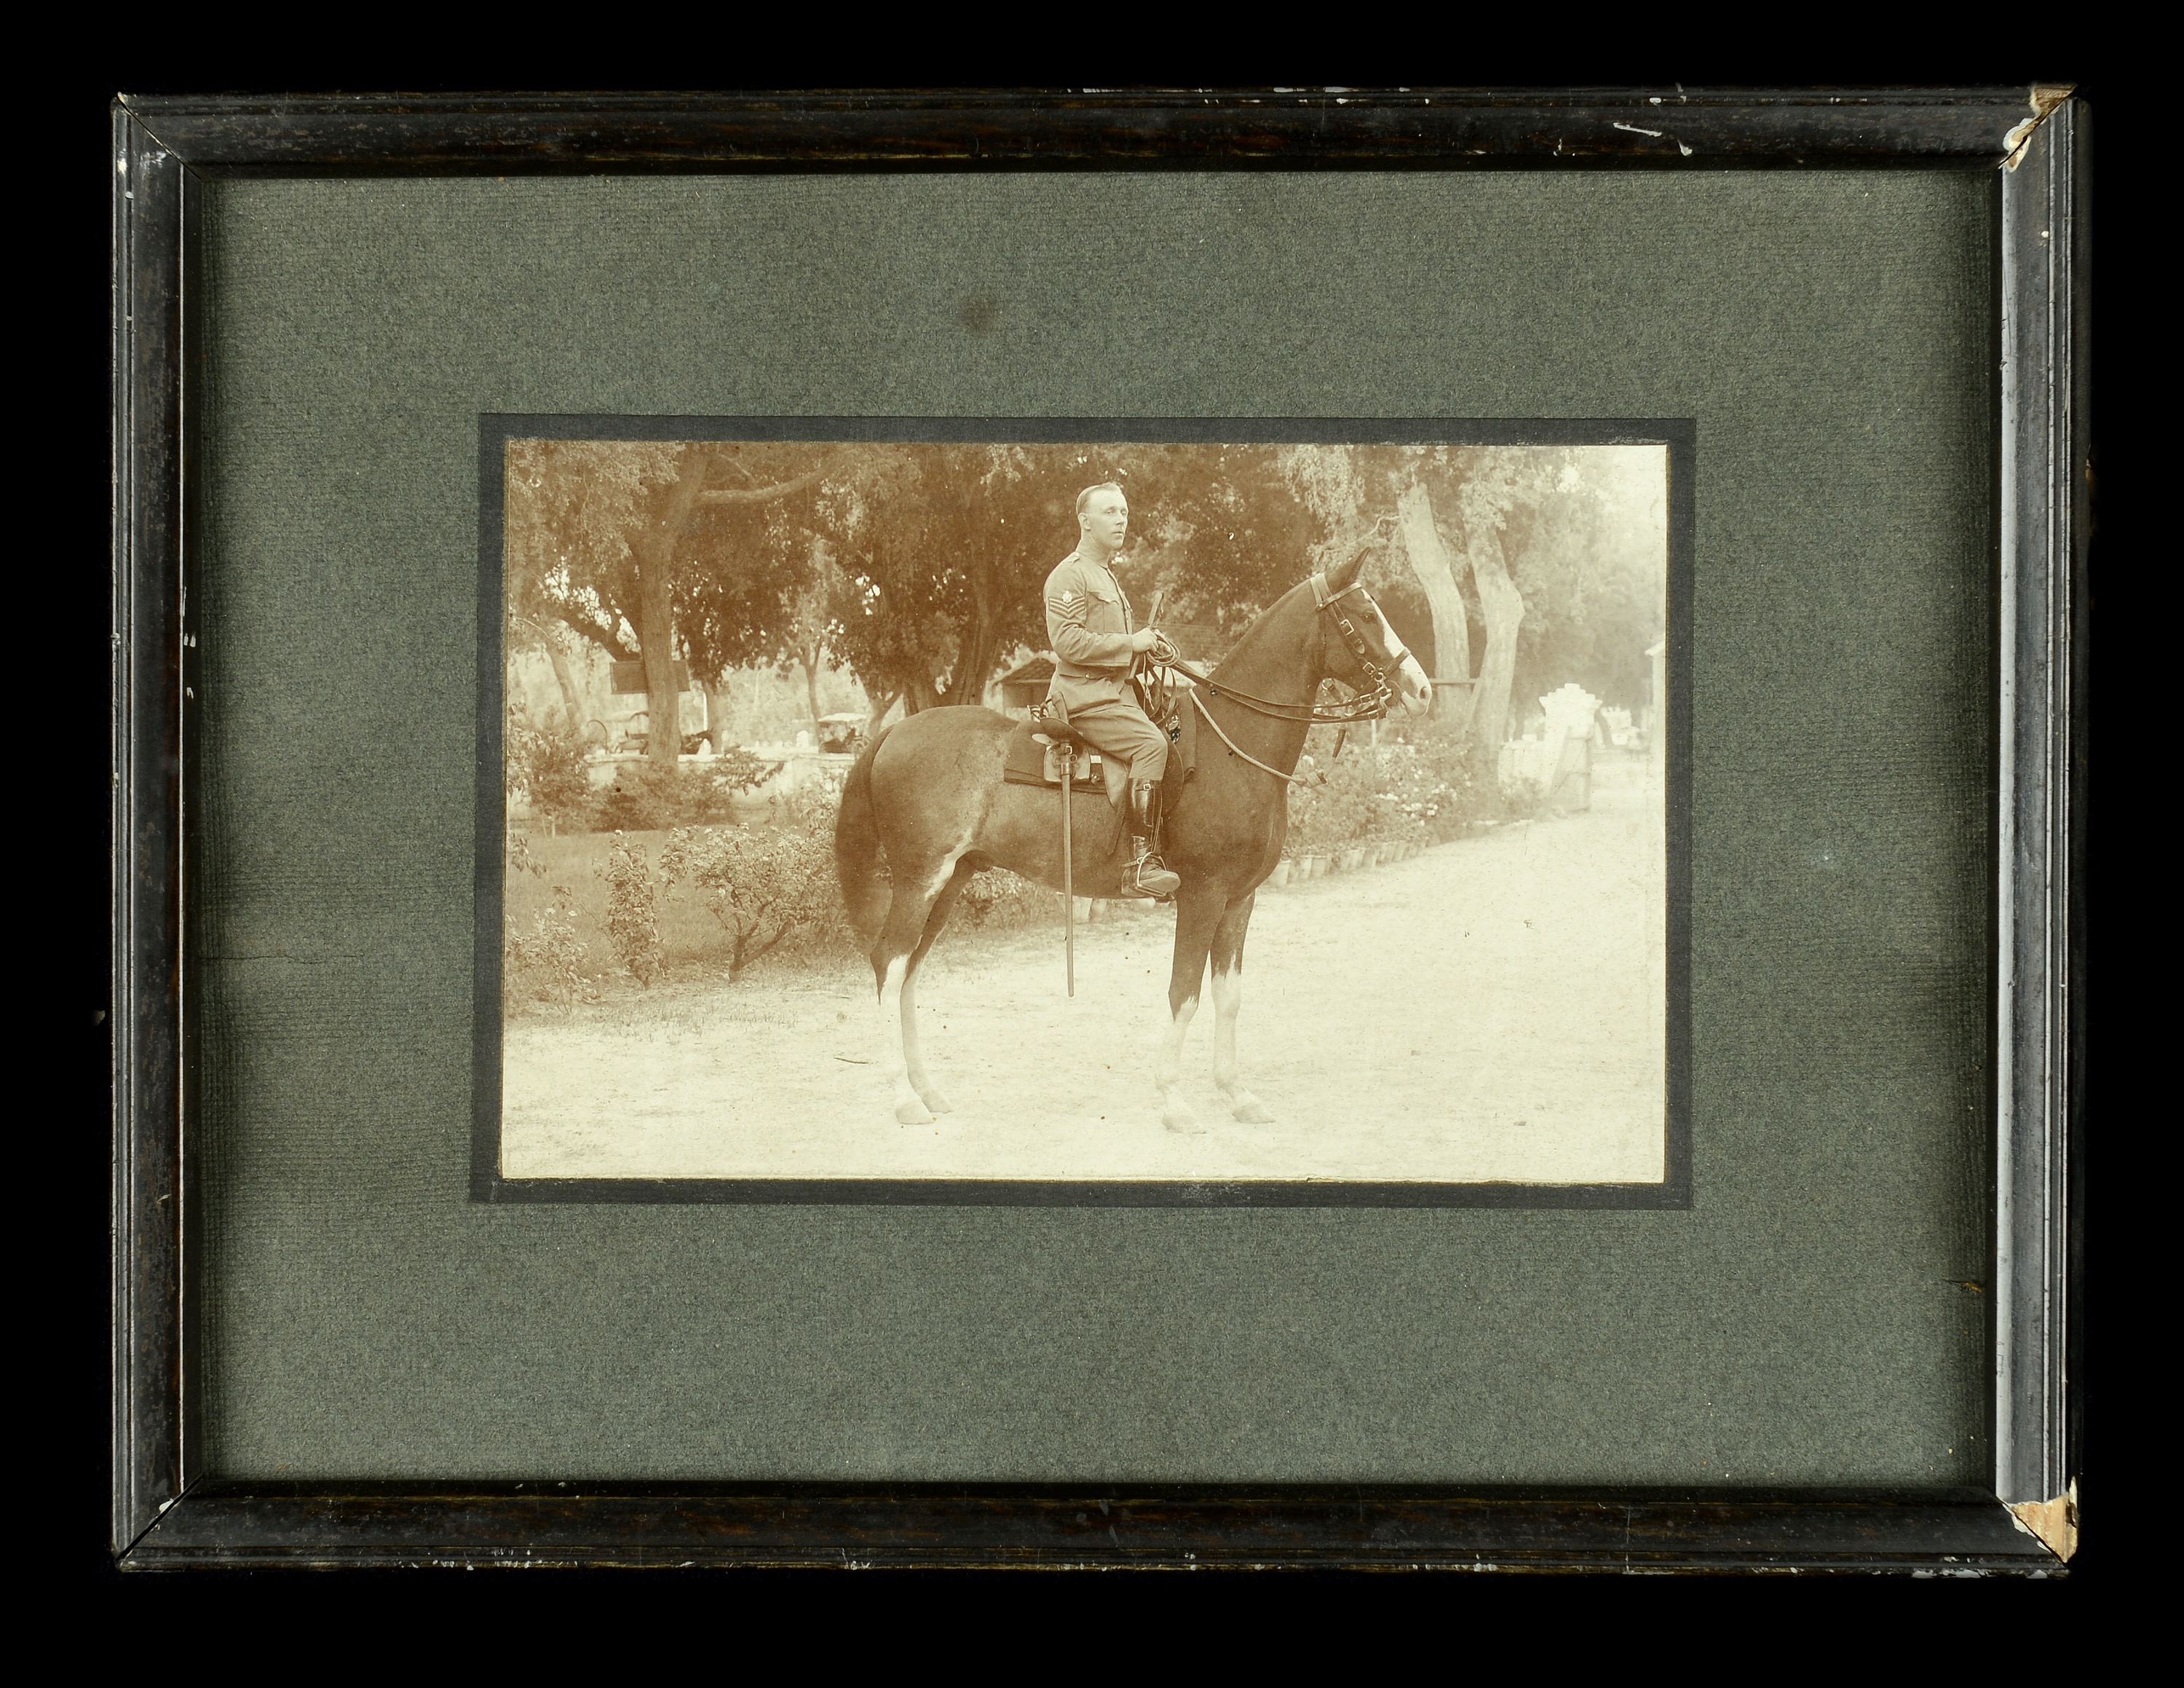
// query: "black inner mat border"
[[1672, 1193]]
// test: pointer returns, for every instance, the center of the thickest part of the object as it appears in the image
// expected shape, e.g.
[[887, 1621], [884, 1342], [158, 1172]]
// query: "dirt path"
[[1491, 1009]]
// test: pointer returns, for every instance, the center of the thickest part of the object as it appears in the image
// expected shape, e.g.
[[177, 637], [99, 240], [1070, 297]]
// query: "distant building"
[[1024, 685]]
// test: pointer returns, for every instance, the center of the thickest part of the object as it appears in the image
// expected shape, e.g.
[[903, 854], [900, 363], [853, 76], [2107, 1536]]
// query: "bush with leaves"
[[1000, 900], [1434, 790], [546, 769], [633, 910], [767, 880], [1524, 798], [1336, 808], [646, 797], [1405, 788], [549, 963]]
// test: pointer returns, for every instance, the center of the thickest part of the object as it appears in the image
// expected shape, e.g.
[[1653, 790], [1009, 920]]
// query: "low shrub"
[[1418, 788], [1522, 798], [546, 770], [548, 964], [1434, 787], [1000, 900], [1336, 809], [633, 910], [766, 882], [647, 797]]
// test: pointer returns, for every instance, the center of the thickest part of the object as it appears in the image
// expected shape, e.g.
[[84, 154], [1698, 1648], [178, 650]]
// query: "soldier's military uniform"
[[1089, 627]]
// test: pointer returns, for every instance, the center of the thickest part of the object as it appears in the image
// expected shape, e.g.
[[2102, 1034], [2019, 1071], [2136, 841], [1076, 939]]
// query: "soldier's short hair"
[[1084, 497]]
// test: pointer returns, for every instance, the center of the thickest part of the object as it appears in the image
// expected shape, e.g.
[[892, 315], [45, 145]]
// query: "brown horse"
[[927, 800]]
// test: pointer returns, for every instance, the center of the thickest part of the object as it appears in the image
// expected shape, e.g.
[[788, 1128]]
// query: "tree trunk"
[[572, 696], [886, 702], [719, 702], [1429, 562], [807, 657], [977, 653], [672, 508], [516, 688], [1501, 606]]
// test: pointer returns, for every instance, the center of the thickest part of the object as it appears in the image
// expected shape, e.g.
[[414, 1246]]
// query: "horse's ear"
[[1341, 576]]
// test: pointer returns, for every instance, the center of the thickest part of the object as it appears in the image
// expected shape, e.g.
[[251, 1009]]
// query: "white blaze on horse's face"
[[1410, 673]]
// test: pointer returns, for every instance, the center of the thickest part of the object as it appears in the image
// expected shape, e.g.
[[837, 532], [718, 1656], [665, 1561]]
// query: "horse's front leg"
[[1197, 915], [1228, 997]]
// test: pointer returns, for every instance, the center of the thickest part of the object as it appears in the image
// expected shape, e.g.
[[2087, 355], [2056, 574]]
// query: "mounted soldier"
[[931, 804], [1097, 647]]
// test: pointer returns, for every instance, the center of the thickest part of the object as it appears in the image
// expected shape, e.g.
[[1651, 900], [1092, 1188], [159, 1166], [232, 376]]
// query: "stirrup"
[[1150, 876]]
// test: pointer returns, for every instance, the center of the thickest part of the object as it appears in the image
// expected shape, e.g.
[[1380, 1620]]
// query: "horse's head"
[[1361, 650]]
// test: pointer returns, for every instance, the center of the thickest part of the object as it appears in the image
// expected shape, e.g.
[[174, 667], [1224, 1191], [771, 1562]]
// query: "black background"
[[63, 169]]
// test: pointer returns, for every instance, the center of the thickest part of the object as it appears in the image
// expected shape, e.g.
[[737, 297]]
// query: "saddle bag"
[[1032, 761]]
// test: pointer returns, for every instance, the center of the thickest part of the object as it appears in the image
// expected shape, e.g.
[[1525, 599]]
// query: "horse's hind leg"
[[913, 1061], [902, 944], [1227, 955]]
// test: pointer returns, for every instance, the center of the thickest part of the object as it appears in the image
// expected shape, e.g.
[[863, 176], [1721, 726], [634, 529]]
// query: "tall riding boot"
[[1148, 876]]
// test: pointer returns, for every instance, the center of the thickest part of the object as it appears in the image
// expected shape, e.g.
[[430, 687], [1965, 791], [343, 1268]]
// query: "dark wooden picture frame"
[[168, 1510]]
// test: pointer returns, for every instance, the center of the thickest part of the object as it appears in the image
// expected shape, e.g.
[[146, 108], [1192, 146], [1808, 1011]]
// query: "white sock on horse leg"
[[1228, 998], [909, 1107], [1167, 1070], [913, 1056], [1228, 1003]]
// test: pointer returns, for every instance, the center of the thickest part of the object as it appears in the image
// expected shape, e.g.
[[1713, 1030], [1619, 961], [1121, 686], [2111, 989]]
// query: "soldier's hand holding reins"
[[1150, 642]]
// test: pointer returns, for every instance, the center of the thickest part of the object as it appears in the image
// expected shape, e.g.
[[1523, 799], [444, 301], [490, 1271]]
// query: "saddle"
[[1032, 746], [1032, 760]]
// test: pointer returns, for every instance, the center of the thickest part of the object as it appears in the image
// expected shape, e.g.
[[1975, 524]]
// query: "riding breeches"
[[1121, 730]]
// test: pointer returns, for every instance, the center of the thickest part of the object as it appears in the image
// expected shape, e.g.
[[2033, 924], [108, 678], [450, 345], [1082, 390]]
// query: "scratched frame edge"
[[160, 1491], [1672, 1192]]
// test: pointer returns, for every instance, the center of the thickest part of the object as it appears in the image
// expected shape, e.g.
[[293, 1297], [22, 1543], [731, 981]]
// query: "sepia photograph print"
[[1239, 813]]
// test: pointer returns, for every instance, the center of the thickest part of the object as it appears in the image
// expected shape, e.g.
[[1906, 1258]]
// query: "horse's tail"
[[864, 886]]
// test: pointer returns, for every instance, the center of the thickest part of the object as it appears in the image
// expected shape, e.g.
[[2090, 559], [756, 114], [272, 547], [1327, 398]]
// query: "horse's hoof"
[[909, 1111], [1250, 1110], [934, 1100], [1181, 1119]]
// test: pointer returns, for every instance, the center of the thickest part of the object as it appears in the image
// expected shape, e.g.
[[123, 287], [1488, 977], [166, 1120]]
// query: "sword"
[[1068, 885]]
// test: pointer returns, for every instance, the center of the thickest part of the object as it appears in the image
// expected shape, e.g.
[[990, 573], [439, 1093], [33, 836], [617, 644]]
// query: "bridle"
[[1368, 705], [1363, 706]]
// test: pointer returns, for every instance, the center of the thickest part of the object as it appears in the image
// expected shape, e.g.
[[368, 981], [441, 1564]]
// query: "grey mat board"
[[1805, 1321]]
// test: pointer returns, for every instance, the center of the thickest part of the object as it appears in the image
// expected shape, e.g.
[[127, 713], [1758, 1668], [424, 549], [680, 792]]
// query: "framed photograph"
[[682, 982], [713, 694]]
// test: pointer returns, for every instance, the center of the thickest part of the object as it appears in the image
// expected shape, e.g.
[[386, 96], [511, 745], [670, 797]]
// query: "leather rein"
[[1363, 706]]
